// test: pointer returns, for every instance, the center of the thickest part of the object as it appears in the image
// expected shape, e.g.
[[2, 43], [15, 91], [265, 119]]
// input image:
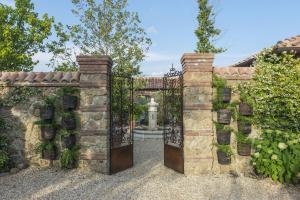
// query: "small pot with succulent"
[[244, 144], [48, 150], [69, 158], [47, 111], [224, 153], [68, 120], [48, 129], [69, 137], [223, 133], [244, 124]]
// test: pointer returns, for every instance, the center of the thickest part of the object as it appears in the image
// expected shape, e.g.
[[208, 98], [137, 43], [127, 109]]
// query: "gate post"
[[197, 113], [94, 107]]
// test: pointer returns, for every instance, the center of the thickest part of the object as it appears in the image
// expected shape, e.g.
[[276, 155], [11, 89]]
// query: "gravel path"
[[149, 179]]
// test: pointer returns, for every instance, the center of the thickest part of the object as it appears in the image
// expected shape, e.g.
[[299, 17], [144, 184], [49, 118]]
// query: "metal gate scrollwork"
[[173, 120]]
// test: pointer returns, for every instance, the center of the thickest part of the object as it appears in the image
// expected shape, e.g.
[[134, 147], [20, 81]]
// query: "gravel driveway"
[[149, 179]]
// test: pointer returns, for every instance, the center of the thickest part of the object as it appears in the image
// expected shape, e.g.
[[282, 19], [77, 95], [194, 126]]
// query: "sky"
[[247, 27]]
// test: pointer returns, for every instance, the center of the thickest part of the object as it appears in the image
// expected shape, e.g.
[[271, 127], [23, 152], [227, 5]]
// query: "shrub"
[[277, 155]]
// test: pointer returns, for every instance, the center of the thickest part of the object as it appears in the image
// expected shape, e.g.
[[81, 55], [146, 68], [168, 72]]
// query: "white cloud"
[[152, 30]]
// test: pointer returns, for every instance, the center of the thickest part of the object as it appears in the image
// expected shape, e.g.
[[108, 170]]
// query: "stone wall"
[[199, 132], [93, 81]]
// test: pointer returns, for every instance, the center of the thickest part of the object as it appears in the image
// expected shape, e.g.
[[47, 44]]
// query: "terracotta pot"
[[49, 154], [68, 123], [48, 133], [70, 102], [244, 149], [244, 128], [47, 113], [223, 158], [224, 116], [223, 137], [245, 109], [70, 141], [226, 95]]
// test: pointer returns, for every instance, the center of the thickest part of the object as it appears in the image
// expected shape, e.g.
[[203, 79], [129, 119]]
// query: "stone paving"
[[149, 179]]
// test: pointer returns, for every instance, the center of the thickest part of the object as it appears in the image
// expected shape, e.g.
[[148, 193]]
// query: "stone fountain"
[[152, 131]]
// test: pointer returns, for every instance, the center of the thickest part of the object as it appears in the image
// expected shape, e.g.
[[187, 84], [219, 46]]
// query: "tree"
[[107, 28], [22, 34], [206, 31]]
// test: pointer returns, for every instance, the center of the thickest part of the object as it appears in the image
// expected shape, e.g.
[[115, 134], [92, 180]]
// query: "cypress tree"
[[207, 32]]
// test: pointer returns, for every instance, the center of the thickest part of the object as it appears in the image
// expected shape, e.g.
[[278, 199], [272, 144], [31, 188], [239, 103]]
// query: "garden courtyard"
[[148, 179]]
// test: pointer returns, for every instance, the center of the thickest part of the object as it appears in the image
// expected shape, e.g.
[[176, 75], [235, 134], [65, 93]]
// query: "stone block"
[[198, 167], [94, 121], [101, 166], [198, 147], [197, 120], [197, 95]]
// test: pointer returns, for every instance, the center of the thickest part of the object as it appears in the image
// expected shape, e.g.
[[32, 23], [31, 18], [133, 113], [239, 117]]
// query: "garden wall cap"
[[40, 77], [235, 73]]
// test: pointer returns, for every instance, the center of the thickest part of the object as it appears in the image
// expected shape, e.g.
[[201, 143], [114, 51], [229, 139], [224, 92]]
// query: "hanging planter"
[[244, 149], [245, 109], [47, 149], [68, 121], [224, 153], [224, 116], [225, 94], [47, 112], [48, 132], [70, 102], [244, 127], [223, 136], [69, 141]]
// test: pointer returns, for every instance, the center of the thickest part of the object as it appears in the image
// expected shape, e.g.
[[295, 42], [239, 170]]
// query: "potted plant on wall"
[[48, 129], [69, 158], [68, 120], [223, 133], [48, 150], [244, 124], [224, 154], [68, 137], [69, 99], [47, 111], [244, 144]]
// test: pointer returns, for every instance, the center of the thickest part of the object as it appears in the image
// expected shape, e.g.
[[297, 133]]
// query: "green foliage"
[[17, 95], [68, 90], [22, 34], [4, 159], [66, 133], [243, 139], [273, 91], [277, 155], [68, 157], [245, 119], [106, 28], [207, 32], [225, 148], [45, 145], [223, 127]]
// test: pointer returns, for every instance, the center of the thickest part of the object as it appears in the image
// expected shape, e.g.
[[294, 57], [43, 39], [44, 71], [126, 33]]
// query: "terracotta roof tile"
[[235, 73], [40, 77]]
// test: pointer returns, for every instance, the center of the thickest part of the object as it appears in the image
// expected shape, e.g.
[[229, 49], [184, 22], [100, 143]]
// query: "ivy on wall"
[[275, 97]]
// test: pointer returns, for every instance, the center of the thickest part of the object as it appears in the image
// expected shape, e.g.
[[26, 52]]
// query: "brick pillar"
[[197, 113], [94, 107]]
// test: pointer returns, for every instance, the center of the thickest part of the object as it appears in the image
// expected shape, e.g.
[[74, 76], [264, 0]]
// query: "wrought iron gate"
[[121, 119], [173, 120]]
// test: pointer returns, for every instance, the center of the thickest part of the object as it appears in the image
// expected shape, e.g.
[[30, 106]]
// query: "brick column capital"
[[94, 64], [197, 62]]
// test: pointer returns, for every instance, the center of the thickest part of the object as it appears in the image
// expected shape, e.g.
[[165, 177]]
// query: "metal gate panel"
[[173, 120], [121, 118]]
